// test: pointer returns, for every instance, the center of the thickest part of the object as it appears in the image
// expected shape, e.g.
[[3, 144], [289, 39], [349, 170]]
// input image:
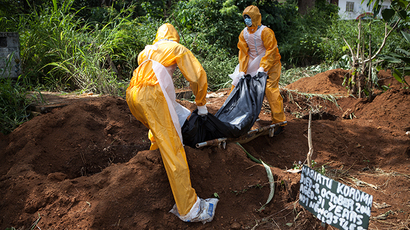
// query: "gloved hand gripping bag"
[[236, 116]]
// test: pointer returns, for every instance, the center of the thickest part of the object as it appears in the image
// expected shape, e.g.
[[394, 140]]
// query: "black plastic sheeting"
[[234, 119]]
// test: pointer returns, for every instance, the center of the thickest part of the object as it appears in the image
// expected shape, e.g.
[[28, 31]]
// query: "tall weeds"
[[64, 52], [14, 101]]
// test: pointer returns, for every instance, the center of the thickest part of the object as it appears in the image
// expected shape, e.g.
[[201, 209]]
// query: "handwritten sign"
[[334, 203]]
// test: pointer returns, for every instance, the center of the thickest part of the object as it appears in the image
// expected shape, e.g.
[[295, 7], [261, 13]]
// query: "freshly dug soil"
[[87, 164]]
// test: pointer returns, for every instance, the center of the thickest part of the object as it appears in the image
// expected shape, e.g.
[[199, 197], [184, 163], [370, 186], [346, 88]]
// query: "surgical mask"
[[248, 21]]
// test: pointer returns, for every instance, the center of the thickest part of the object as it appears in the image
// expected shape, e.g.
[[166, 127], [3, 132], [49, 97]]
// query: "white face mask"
[[248, 21]]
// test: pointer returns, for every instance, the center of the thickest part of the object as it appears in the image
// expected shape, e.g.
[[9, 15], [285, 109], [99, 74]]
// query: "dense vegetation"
[[79, 45]]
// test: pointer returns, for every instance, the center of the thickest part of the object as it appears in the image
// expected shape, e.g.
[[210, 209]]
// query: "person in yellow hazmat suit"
[[259, 52], [151, 99]]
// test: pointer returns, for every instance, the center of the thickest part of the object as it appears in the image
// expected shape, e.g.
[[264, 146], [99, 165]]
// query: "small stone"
[[235, 226], [59, 176]]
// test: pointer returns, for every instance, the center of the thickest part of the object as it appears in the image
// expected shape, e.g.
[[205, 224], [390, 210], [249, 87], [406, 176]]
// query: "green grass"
[[14, 102]]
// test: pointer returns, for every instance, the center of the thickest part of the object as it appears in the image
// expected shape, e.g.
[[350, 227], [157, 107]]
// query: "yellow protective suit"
[[148, 103], [270, 62]]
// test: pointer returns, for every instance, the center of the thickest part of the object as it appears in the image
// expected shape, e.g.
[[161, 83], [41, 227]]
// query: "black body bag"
[[234, 119]]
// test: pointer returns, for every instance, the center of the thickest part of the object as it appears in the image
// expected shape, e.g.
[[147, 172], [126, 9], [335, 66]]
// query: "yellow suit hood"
[[167, 31], [253, 12]]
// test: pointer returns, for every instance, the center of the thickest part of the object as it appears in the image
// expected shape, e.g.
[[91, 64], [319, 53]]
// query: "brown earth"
[[86, 165]]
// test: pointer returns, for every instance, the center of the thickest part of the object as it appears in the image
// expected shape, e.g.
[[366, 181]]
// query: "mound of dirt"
[[329, 82], [87, 165]]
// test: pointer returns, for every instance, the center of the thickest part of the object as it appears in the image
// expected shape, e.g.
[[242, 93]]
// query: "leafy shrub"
[[302, 44], [333, 47], [218, 65], [399, 61], [208, 22]]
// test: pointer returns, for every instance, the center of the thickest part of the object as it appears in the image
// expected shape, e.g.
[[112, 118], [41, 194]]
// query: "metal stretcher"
[[252, 134]]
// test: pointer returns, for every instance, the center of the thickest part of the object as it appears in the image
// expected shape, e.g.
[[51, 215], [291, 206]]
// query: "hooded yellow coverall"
[[270, 62], [149, 104]]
